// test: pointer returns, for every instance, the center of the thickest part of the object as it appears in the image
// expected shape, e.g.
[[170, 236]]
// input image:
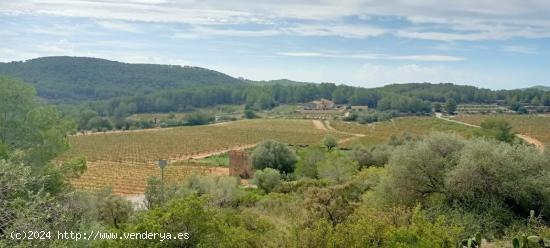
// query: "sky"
[[487, 43]]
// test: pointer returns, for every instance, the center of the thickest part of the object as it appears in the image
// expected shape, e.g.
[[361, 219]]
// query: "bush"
[[330, 142], [198, 118], [337, 167], [249, 114], [498, 129], [491, 172], [309, 160], [418, 169], [273, 154], [267, 179], [219, 190]]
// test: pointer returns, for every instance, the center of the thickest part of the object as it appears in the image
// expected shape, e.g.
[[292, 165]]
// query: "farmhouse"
[[321, 104]]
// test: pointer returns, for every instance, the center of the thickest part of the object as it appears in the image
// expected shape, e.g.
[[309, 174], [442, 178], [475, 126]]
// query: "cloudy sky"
[[492, 44]]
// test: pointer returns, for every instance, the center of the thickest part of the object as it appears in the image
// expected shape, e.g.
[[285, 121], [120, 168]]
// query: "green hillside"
[[66, 79], [541, 87]]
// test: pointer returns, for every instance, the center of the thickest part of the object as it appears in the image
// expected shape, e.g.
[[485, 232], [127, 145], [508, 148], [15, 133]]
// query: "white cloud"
[[331, 55], [452, 20], [348, 31], [429, 57], [382, 74], [119, 26], [519, 49], [421, 57]]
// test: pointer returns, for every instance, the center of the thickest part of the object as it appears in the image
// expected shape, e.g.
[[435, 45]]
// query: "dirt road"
[[319, 125], [529, 140]]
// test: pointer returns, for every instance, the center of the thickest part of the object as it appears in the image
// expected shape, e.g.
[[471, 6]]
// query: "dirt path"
[[539, 145], [355, 135], [530, 140], [212, 153], [319, 125], [440, 116]]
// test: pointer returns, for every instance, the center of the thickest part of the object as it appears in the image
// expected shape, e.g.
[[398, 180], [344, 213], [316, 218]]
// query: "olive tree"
[[273, 154], [267, 179], [330, 142]]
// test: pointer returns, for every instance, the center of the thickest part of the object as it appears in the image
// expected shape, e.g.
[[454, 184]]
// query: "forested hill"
[[541, 87], [67, 79]]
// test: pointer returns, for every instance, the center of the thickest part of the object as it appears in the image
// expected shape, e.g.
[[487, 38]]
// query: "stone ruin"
[[239, 164]]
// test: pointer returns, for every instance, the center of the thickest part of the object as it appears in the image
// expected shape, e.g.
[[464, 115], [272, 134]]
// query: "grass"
[[215, 160], [534, 126], [381, 132]]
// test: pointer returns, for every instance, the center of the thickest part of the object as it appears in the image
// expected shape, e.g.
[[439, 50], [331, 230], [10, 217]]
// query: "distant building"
[[359, 107], [321, 104]]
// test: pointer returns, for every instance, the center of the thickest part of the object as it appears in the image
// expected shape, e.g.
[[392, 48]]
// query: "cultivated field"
[[534, 126], [186, 142], [382, 131], [126, 179], [125, 160]]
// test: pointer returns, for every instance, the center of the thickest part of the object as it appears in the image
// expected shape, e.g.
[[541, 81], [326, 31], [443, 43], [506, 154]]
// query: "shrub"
[[198, 118], [273, 154], [267, 179], [309, 160], [498, 129], [337, 167], [249, 114]]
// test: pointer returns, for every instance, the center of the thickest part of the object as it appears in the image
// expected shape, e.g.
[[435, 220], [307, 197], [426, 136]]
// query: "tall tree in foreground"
[[26, 125]]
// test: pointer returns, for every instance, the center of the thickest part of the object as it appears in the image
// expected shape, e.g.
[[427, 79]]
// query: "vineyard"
[[127, 179], [534, 126], [124, 160], [187, 142], [382, 131]]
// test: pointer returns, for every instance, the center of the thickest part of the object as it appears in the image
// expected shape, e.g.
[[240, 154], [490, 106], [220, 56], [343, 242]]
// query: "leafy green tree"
[[499, 129], [273, 154], [361, 155], [418, 169], [492, 173], [330, 142], [450, 106], [25, 125], [112, 209], [188, 215], [437, 107], [267, 179], [99, 123]]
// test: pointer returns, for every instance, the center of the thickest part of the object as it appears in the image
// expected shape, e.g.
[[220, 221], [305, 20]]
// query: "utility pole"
[[162, 163]]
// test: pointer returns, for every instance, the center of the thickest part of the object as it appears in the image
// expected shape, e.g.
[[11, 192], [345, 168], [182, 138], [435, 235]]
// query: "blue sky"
[[491, 44]]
